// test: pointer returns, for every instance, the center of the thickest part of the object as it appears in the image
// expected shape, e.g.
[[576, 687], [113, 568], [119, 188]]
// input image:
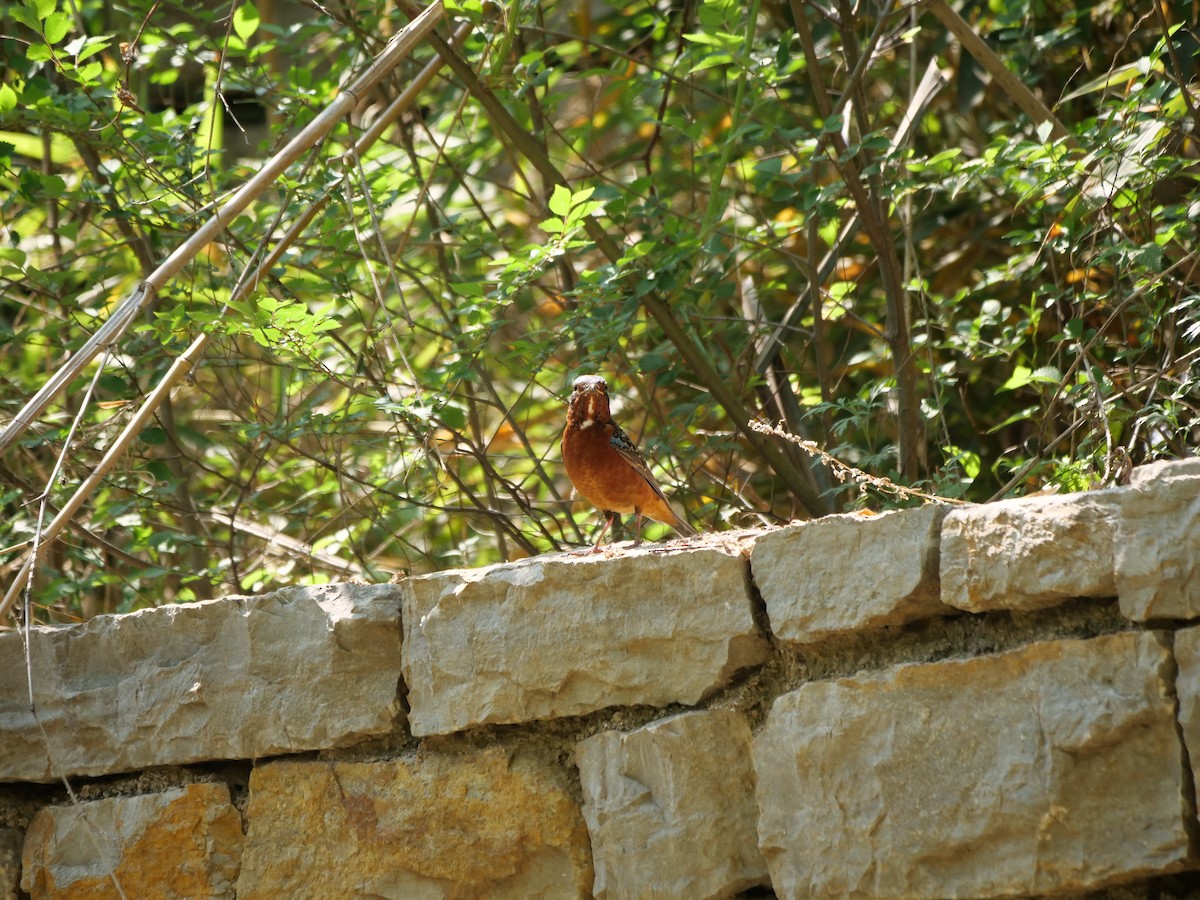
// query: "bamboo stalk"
[[403, 44], [1008, 81], [397, 49]]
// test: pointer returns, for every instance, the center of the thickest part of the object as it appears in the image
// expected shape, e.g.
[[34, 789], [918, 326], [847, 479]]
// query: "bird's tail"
[[663, 512], [682, 527]]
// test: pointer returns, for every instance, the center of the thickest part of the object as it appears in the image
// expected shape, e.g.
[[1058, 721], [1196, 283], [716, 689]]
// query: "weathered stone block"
[[479, 825], [182, 843], [844, 573], [670, 808], [1187, 687], [1055, 767], [1158, 542], [1030, 553], [300, 669], [565, 635]]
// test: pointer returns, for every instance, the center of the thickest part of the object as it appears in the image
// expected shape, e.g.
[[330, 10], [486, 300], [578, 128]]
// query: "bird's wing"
[[629, 452]]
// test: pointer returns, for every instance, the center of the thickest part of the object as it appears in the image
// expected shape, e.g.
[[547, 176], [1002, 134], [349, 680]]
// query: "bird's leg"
[[637, 527], [609, 517]]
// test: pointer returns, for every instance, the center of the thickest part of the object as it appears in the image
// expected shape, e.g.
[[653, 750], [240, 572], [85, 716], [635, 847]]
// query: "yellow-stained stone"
[[456, 826], [181, 843]]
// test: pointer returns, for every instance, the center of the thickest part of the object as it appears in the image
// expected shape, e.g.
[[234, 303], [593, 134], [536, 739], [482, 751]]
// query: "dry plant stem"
[[110, 332], [293, 547], [1177, 64], [658, 309], [1008, 82], [399, 48], [844, 472]]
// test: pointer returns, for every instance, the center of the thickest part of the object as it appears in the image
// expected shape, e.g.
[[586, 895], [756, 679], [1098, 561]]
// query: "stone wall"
[[985, 701]]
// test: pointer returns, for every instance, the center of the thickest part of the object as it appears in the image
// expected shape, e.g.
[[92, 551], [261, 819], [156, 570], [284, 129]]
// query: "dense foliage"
[[825, 216]]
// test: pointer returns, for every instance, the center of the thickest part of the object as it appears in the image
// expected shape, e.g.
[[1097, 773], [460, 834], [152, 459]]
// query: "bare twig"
[[844, 472]]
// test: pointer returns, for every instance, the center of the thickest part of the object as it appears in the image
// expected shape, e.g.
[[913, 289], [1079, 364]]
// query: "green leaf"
[[711, 61], [87, 47], [153, 436], [722, 40], [56, 27], [1021, 415], [560, 200], [453, 416], [1023, 375], [89, 74], [40, 8], [8, 98], [246, 20], [833, 124], [52, 186], [29, 19], [1118, 77]]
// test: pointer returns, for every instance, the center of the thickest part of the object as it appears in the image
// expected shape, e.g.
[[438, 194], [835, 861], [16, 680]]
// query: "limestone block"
[[10, 863], [1158, 542], [565, 635], [244, 677], [478, 825], [181, 843], [1055, 767], [1030, 553], [1187, 687], [670, 808], [845, 573]]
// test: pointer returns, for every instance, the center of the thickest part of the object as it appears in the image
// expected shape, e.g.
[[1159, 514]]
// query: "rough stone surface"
[[479, 825], [244, 677], [10, 863], [1158, 542], [1054, 767], [1187, 687], [565, 635], [670, 808], [1030, 553], [845, 573], [183, 843]]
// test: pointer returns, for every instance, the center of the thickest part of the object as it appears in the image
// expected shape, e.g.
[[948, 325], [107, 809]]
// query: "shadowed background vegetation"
[[825, 216]]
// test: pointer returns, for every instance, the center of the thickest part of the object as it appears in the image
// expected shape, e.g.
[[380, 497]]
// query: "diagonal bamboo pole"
[[184, 364], [397, 49], [1008, 81]]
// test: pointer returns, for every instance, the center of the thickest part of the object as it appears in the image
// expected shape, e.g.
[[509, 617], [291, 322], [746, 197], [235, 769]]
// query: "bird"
[[605, 465]]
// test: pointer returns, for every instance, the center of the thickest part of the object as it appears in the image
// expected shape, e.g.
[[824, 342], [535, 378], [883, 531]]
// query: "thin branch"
[[846, 473], [106, 337]]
